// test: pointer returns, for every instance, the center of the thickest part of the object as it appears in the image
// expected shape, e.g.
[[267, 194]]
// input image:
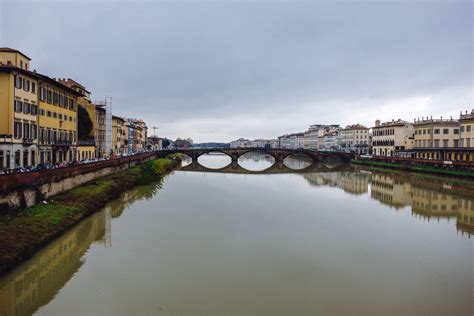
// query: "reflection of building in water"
[[390, 191], [36, 282], [429, 203], [351, 182], [356, 183], [465, 221]]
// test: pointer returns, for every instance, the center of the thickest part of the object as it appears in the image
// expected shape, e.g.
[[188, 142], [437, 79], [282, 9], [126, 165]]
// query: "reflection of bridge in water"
[[276, 168]]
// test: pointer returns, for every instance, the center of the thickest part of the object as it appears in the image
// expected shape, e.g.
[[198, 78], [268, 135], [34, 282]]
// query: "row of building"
[[45, 120], [425, 138]]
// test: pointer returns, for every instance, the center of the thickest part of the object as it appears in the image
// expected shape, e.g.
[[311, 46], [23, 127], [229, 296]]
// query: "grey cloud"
[[215, 70]]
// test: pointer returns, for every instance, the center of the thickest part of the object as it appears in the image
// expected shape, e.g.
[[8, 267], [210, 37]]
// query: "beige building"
[[466, 122], [391, 138], [436, 138], [355, 138], [119, 135]]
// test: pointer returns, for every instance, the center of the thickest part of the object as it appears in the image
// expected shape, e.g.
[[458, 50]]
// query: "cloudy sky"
[[220, 70]]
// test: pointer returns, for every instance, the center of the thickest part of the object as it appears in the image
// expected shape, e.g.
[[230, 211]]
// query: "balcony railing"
[[86, 143]]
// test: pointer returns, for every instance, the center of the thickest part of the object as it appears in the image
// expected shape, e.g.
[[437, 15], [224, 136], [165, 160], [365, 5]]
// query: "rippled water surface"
[[331, 241]]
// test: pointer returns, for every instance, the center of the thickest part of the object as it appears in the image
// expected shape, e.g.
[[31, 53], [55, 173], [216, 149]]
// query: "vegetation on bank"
[[23, 233], [414, 168]]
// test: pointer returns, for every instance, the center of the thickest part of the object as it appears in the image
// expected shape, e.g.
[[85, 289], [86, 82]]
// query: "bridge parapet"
[[279, 154]]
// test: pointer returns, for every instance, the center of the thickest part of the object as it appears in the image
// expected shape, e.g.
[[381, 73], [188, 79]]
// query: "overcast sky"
[[217, 71]]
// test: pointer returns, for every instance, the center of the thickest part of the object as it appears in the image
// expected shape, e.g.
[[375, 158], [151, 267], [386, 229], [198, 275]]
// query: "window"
[[445, 143], [456, 131], [49, 96], [18, 106], [456, 143], [25, 84], [33, 87], [25, 158], [436, 143], [445, 131], [436, 131], [17, 158], [2, 159], [34, 109], [17, 129], [55, 98], [42, 94], [34, 131], [462, 129], [55, 115], [49, 113], [468, 128], [468, 142], [26, 130], [26, 108]]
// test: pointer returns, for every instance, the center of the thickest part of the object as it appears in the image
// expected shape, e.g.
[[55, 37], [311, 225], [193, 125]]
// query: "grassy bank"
[[414, 168], [23, 233]]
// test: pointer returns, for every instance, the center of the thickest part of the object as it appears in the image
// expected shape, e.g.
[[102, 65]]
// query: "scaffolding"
[[106, 146]]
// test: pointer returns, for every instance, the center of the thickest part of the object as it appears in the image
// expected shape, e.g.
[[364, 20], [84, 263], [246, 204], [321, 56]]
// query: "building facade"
[[19, 111], [355, 138], [118, 136], [390, 138], [291, 141], [57, 122]]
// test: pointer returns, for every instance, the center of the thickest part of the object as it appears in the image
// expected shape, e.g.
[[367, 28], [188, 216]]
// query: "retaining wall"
[[21, 190]]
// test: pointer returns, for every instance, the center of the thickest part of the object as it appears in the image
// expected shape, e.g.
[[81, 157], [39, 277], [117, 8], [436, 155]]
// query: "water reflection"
[[36, 282], [214, 160], [297, 163], [255, 161], [325, 242], [428, 198]]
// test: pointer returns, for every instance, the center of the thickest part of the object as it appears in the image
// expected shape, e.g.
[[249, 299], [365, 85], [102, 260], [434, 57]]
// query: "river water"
[[321, 240]]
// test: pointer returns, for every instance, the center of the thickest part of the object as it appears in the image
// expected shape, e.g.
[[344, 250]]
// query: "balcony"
[[86, 142]]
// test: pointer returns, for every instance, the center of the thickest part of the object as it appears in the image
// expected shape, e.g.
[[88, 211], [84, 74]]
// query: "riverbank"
[[23, 233], [414, 168]]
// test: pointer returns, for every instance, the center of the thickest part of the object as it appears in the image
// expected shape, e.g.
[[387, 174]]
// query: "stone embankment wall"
[[22, 190]]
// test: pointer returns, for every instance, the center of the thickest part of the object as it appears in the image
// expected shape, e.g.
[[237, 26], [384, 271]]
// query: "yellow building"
[[86, 148], [19, 110], [57, 121], [119, 135]]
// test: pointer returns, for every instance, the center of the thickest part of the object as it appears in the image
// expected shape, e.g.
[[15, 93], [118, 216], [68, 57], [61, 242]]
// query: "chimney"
[[377, 123]]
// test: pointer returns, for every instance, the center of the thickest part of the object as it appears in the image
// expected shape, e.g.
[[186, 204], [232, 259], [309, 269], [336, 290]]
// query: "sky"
[[221, 70]]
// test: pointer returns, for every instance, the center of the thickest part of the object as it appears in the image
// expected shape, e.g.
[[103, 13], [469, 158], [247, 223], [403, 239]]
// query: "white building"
[[239, 143], [332, 141], [292, 141], [391, 137]]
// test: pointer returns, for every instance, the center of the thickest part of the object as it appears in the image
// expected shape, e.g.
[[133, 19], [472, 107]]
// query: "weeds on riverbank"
[[21, 234]]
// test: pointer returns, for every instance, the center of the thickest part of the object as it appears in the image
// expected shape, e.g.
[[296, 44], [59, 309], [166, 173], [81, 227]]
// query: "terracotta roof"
[[11, 50]]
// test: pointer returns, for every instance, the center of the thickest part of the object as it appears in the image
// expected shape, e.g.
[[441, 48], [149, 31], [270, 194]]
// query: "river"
[[287, 240]]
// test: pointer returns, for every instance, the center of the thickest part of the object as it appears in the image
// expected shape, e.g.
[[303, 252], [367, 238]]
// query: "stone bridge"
[[278, 154]]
